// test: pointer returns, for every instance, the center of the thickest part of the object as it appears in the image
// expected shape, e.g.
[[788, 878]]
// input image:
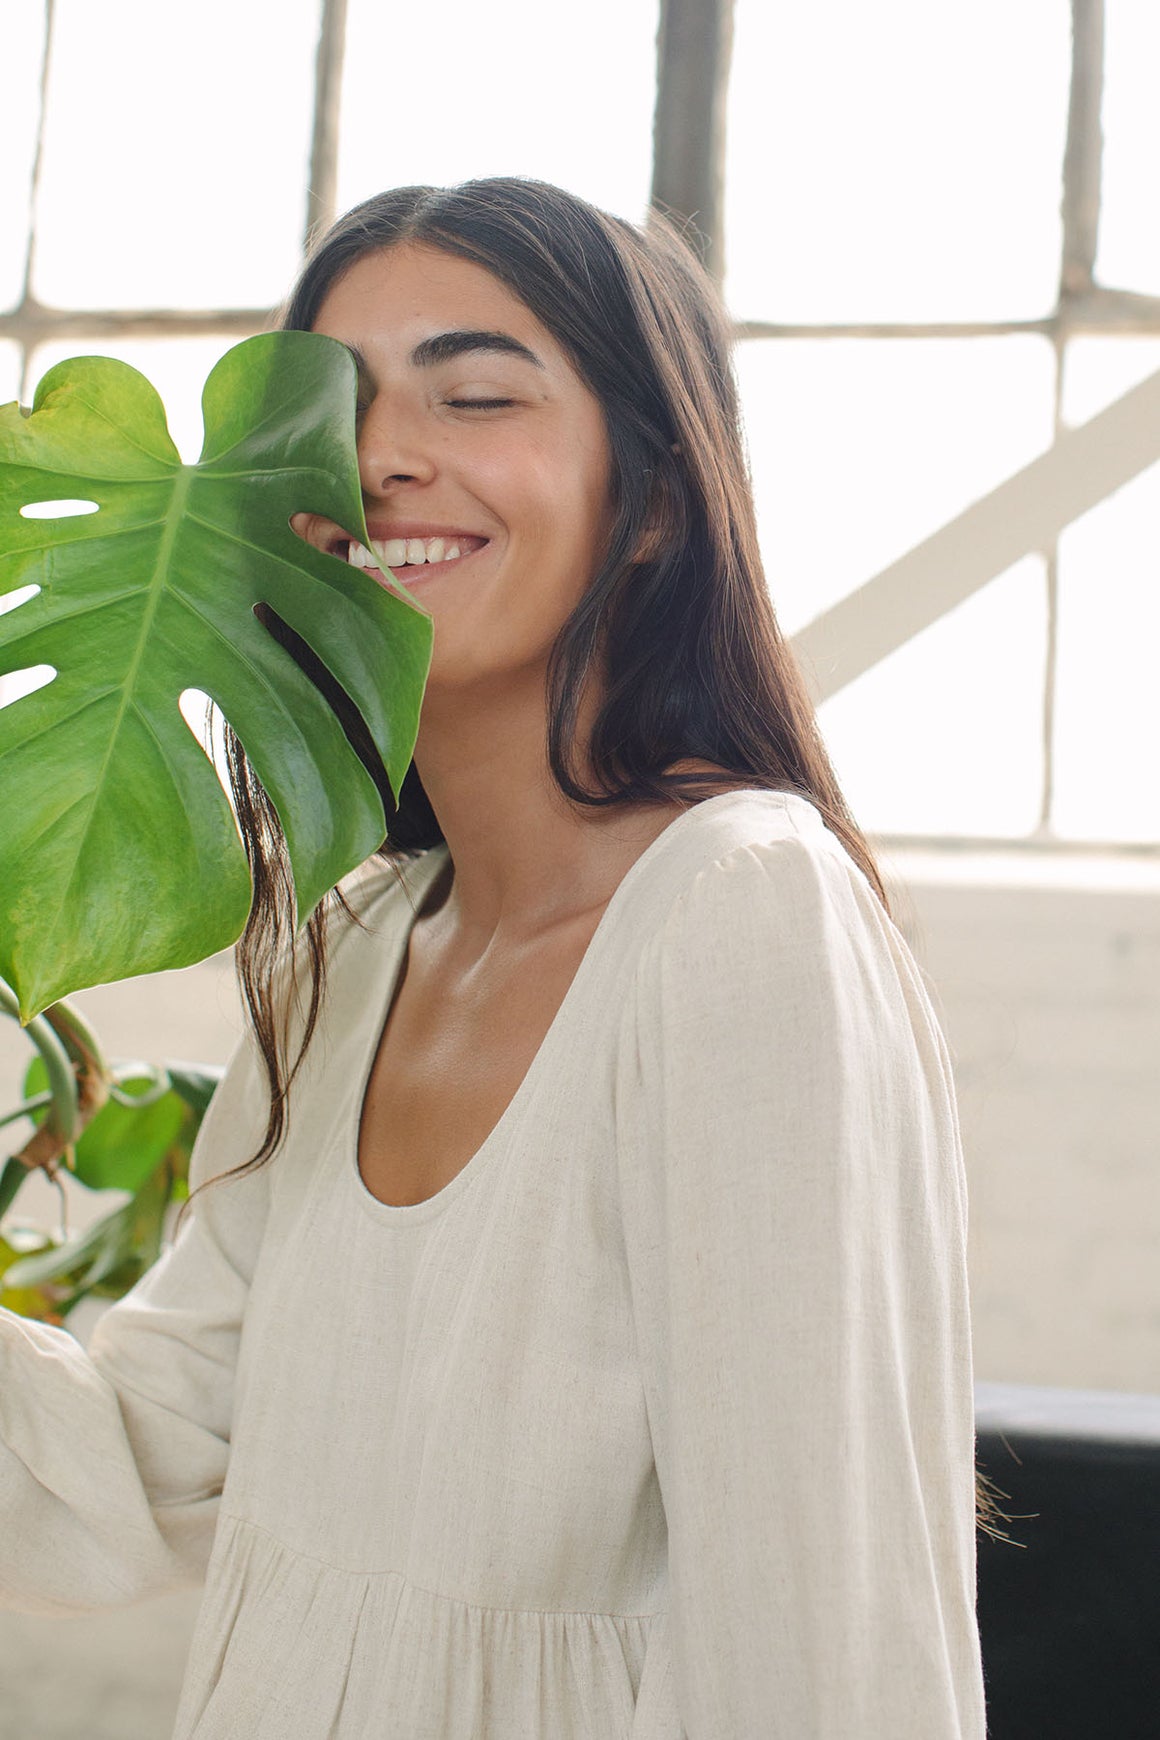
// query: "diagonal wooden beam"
[[1023, 515]]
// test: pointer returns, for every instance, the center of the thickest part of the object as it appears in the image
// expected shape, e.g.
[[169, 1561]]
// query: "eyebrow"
[[443, 346]]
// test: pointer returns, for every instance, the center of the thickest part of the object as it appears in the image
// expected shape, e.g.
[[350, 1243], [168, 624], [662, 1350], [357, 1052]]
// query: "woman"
[[583, 1350]]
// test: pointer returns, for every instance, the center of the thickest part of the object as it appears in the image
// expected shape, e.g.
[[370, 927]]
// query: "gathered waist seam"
[[436, 1594]]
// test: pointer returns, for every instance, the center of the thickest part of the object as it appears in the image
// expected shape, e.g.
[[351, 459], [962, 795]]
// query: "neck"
[[525, 857]]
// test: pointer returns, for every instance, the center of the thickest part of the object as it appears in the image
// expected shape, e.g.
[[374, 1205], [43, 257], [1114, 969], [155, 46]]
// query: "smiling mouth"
[[408, 558]]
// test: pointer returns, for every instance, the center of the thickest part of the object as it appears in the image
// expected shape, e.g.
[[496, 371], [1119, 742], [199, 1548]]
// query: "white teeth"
[[401, 552]]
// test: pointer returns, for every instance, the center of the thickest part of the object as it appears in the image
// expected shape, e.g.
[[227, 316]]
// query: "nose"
[[392, 448]]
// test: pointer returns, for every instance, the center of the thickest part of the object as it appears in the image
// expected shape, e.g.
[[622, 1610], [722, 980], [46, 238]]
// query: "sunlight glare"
[[897, 162], [175, 153], [1128, 256], [23, 49], [527, 90]]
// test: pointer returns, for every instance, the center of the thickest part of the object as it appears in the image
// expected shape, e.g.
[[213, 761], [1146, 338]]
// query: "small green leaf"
[[122, 1145], [17, 1243], [81, 1261], [119, 854], [108, 1258], [13, 1176]]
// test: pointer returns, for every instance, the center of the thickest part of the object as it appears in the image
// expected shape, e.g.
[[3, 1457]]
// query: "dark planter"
[[1070, 1617]]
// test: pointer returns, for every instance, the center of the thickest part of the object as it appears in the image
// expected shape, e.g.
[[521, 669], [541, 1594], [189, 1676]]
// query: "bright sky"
[[895, 162]]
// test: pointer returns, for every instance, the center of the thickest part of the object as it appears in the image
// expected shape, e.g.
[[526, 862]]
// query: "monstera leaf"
[[118, 850]]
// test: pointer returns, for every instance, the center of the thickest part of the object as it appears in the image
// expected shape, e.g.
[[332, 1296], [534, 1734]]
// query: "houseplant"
[[125, 1128], [119, 853]]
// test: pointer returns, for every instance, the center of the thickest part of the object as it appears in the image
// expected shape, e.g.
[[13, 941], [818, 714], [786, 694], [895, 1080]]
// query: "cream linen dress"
[[654, 1424]]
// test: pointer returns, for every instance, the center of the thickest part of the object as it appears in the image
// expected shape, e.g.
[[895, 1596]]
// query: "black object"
[[1070, 1617]]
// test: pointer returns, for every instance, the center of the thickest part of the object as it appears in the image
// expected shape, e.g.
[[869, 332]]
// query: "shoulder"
[[771, 957], [747, 864], [755, 914]]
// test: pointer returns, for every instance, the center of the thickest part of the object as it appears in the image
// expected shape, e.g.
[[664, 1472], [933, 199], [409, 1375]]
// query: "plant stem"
[[64, 1118], [25, 1107], [75, 1033], [91, 1071]]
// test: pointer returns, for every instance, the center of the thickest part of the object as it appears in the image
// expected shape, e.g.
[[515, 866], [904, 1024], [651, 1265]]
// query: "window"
[[939, 253], [936, 276]]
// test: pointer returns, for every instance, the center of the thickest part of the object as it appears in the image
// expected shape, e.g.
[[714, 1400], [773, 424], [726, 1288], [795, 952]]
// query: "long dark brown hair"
[[692, 663]]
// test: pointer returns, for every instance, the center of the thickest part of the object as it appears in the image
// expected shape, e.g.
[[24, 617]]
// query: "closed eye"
[[479, 404]]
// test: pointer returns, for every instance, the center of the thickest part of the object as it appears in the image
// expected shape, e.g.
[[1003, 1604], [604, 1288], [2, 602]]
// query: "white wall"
[[1050, 996]]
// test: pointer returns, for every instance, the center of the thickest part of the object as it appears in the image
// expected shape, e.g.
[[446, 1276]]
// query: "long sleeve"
[[794, 1219], [112, 1460]]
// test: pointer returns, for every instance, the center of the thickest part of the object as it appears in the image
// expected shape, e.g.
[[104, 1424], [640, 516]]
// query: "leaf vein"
[[87, 538], [177, 504], [55, 821], [120, 431]]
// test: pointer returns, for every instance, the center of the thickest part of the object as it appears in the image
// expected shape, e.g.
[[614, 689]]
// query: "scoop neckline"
[[420, 879]]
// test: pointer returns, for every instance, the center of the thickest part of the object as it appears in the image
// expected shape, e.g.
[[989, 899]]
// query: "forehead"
[[395, 297]]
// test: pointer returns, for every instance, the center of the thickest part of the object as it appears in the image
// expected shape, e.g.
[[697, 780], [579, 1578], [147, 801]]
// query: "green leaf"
[[119, 854], [16, 1243], [122, 1146], [11, 1179], [109, 1257]]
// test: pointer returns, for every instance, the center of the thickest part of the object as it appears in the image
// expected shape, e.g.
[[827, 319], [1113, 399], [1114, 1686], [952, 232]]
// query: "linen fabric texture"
[[654, 1424]]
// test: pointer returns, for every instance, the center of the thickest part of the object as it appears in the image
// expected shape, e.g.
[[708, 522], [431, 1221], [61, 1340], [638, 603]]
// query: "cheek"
[[553, 523], [579, 512]]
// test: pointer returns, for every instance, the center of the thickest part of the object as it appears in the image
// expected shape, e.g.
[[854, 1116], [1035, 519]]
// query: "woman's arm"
[[795, 1227], [111, 1461]]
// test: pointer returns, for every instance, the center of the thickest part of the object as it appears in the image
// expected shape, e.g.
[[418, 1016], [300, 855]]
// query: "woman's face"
[[476, 435]]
